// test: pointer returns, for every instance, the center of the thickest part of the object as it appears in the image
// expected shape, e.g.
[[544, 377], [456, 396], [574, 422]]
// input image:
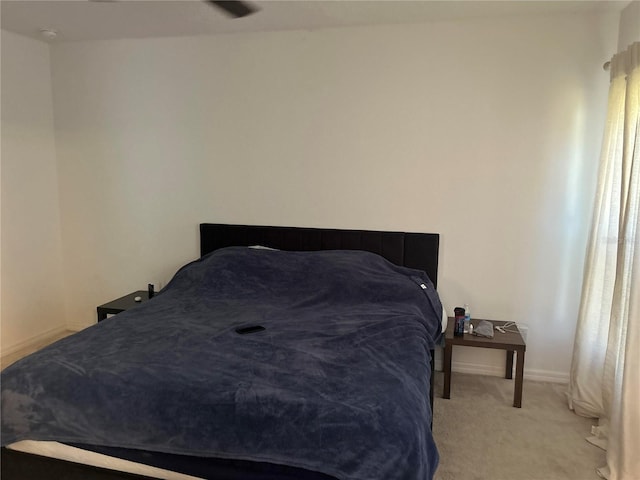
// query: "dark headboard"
[[414, 250]]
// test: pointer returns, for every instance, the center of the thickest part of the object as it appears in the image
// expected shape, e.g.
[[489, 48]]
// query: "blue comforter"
[[337, 382]]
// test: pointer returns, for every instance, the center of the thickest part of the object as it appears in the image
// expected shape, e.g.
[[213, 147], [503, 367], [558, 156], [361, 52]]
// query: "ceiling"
[[78, 20]]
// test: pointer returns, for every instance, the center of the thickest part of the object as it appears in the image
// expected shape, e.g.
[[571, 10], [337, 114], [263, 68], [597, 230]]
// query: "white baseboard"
[[35, 341], [498, 371], [76, 327], [546, 376]]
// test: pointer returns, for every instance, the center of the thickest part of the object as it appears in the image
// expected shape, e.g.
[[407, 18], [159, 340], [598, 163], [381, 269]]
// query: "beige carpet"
[[480, 435]]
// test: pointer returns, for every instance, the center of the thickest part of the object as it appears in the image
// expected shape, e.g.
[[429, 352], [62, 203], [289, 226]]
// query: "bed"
[[305, 358]]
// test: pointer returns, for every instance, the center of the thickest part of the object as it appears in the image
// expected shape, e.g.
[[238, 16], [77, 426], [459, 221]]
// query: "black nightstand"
[[121, 304]]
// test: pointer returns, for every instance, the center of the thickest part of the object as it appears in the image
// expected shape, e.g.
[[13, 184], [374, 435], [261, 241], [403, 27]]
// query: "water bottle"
[[467, 318]]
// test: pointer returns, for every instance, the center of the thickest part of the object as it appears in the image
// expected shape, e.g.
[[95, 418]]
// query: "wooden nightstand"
[[510, 341], [121, 304]]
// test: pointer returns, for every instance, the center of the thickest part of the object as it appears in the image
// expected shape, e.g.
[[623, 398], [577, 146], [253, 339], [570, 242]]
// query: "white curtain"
[[605, 371]]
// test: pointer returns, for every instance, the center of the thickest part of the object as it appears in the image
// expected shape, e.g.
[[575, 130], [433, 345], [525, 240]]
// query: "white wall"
[[486, 131], [629, 30], [32, 280]]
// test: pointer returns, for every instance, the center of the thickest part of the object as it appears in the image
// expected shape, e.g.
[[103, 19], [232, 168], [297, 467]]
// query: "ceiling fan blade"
[[234, 8]]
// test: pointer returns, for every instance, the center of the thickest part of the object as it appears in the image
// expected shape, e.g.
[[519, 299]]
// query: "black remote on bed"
[[253, 329]]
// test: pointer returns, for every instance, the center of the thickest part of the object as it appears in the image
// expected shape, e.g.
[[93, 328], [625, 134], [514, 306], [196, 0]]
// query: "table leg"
[[517, 395], [509, 370], [101, 315], [448, 350], [433, 374], [432, 365]]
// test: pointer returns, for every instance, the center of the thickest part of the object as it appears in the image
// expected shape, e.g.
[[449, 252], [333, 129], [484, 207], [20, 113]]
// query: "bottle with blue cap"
[[467, 319]]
